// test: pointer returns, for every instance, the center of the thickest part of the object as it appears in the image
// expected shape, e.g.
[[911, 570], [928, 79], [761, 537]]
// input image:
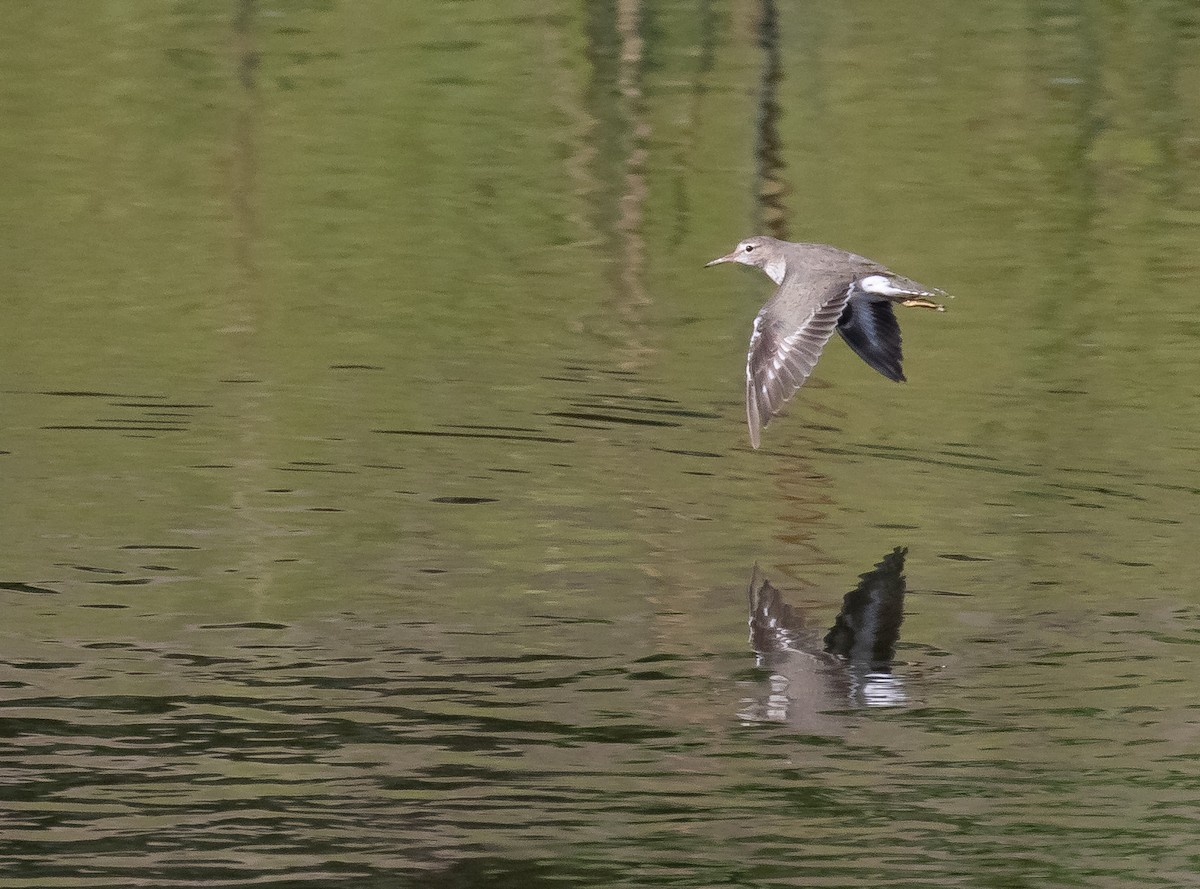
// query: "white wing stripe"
[[885, 286]]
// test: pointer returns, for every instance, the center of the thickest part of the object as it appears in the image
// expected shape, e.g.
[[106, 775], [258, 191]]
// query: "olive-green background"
[[383, 327]]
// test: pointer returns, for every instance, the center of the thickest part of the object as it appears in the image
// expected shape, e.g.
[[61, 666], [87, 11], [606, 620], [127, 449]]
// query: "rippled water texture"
[[375, 494]]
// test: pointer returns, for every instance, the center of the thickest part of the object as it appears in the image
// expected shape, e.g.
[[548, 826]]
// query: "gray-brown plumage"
[[820, 289]]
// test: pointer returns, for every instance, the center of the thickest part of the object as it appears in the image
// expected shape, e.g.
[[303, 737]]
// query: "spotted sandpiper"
[[820, 289]]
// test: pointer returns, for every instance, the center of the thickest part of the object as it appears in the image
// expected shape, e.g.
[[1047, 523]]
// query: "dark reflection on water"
[[516, 873], [553, 748], [849, 665], [868, 625]]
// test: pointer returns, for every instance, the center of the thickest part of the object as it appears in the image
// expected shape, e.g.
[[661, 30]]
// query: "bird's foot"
[[922, 303]]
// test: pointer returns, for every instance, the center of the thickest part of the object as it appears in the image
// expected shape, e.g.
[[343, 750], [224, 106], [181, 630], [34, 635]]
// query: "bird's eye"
[[749, 248]]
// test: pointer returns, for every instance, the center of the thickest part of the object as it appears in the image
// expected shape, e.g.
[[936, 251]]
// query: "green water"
[[375, 494]]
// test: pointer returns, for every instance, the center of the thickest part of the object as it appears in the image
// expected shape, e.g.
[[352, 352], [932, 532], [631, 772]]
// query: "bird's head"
[[759, 251]]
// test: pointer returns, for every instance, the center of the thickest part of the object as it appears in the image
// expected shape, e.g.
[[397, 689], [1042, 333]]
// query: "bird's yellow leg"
[[922, 303]]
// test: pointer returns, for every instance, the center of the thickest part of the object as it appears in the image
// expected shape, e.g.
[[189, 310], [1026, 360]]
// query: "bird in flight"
[[820, 289]]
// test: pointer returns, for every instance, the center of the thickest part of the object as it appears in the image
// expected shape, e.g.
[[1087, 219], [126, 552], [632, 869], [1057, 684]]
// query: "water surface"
[[377, 502]]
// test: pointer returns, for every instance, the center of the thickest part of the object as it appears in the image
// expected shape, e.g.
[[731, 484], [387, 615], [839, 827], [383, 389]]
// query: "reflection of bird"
[[775, 626], [853, 661], [868, 625], [820, 289]]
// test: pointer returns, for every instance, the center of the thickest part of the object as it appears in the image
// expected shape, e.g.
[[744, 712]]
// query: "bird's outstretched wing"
[[780, 360], [782, 357], [868, 323], [869, 327]]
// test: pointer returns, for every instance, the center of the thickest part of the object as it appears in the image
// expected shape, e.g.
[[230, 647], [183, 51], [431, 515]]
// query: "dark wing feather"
[[868, 625], [869, 327], [781, 359]]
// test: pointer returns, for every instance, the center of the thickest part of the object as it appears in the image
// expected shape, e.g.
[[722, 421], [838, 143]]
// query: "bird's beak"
[[728, 257]]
